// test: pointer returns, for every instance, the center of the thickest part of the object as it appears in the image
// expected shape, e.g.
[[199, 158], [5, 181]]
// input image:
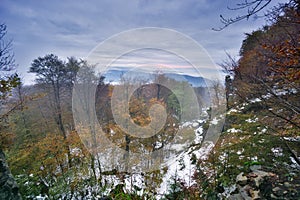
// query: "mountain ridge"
[[114, 76]]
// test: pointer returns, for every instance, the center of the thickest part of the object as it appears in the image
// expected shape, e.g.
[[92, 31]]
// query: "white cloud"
[[73, 28]]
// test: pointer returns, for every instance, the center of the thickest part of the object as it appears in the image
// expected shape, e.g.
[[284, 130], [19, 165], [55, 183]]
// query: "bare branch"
[[229, 65], [253, 8], [7, 61]]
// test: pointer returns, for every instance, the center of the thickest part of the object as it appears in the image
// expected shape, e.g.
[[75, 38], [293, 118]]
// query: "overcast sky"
[[73, 28]]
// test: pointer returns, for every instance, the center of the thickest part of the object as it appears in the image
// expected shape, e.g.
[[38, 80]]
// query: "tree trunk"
[[58, 109]]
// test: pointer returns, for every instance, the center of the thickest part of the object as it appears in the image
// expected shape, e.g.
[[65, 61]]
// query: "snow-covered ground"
[[183, 169], [181, 166]]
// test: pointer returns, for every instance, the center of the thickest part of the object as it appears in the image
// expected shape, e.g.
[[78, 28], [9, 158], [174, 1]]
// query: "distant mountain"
[[193, 80], [114, 76]]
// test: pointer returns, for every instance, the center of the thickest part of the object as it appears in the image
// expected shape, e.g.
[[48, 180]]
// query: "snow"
[[255, 100], [112, 132], [195, 125], [214, 121], [136, 180], [158, 144], [277, 151], [241, 157], [293, 90], [239, 152], [264, 130], [75, 151], [201, 121], [294, 163], [186, 124], [233, 130], [252, 120], [204, 112], [198, 133], [182, 167], [292, 139], [242, 107], [266, 96], [280, 92], [223, 156], [204, 151], [254, 158], [178, 147], [228, 190], [233, 111], [40, 197], [261, 141], [173, 169]]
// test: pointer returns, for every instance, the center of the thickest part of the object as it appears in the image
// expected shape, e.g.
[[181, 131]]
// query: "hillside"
[[131, 135]]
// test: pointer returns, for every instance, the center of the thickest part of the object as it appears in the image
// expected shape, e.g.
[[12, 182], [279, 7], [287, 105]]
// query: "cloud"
[[74, 28]]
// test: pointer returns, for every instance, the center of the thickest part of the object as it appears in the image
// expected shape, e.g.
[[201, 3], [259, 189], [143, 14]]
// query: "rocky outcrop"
[[8, 187], [259, 184]]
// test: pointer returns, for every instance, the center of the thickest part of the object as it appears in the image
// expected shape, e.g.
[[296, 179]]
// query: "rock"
[[235, 197], [258, 176], [105, 198], [261, 173], [254, 194], [241, 179], [245, 192], [287, 184], [255, 167], [277, 191], [273, 196]]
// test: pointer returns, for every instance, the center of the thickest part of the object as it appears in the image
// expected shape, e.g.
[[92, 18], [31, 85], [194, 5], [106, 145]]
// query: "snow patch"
[[182, 167], [277, 151], [292, 139], [264, 130], [40, 197], [178, 147], [75, 151], [266, 96], [251, 120], [239, 152], [186, 124], [112, 132], [195, 124], [233, 111], [214, 121], [233, 130], [199, 133], [255, 100], [294, 163], [134, 181]]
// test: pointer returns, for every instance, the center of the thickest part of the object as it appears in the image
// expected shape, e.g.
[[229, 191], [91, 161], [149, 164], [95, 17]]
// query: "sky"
[[75, 28]]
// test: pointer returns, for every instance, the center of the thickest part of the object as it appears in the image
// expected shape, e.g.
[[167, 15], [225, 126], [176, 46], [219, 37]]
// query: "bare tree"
[[252, 8], [7, 64], [9, 188]]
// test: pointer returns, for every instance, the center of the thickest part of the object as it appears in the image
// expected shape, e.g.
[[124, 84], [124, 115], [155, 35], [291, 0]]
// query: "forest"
[[45, 153]]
